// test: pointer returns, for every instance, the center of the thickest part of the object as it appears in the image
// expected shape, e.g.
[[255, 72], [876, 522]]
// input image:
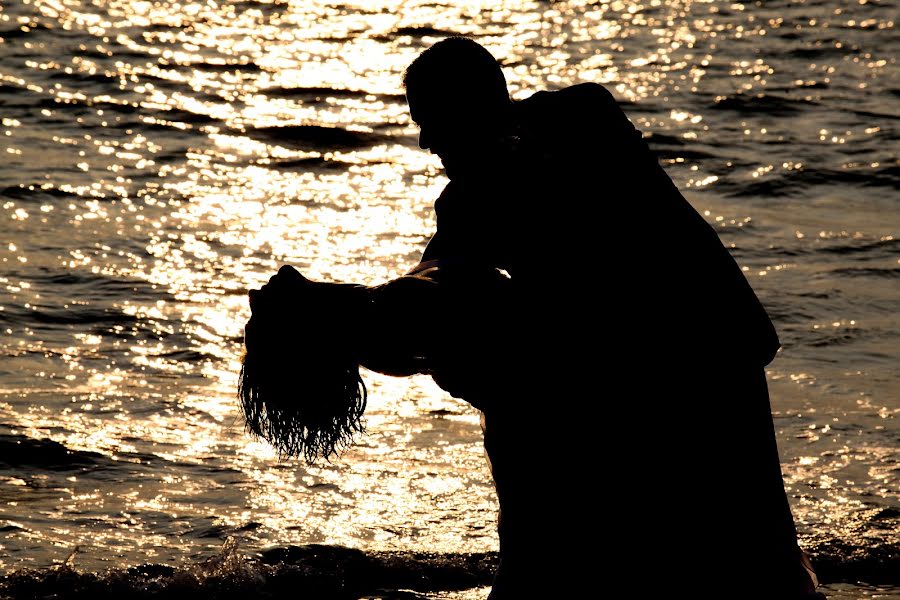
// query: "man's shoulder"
[[589, 95], [586, 91], [575, 117]]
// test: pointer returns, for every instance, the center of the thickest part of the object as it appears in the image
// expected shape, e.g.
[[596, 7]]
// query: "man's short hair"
[[461, 62]]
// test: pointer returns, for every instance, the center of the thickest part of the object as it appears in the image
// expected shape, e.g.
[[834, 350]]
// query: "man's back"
[[587, 223], [632, 333]]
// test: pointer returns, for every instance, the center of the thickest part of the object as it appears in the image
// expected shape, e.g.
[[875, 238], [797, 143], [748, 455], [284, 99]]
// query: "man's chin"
[[453, 168], [449, 169]]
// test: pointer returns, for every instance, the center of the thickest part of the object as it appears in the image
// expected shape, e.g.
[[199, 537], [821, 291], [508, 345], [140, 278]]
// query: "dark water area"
[[340, 573], [322, 572], [157, 159]]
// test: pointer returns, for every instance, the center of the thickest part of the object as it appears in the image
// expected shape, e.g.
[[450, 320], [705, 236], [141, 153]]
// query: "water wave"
[[320, 94], [19, 451], [60, 315], [763, 103], [799, 182], [879, 248], [320, 572], [340, 573], [888, 273], [319, 137]]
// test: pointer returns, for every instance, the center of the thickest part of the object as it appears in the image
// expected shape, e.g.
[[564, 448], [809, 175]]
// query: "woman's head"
[[300, 387]]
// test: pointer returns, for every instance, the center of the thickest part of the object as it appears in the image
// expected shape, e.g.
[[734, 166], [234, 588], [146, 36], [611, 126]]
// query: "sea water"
[[159, 158]]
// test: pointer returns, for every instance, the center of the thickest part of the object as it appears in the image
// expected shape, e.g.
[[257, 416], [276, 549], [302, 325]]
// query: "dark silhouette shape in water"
[[619, 368]]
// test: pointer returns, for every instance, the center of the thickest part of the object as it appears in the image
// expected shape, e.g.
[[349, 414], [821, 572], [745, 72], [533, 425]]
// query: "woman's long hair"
[[300, 387]]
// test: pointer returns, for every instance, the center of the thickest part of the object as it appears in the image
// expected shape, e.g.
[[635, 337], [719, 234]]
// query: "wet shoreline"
[[340, 573]]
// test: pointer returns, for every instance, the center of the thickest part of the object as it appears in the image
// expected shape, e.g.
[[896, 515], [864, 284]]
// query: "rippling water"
[[159, 158]]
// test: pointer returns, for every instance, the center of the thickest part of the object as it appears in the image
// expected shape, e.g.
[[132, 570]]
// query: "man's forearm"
[[397, 333]]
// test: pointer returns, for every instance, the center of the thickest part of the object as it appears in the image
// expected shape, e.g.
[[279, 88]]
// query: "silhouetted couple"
[[614, 346]]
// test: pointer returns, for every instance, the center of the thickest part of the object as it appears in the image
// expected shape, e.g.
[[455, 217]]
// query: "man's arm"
[[447, 322], [385, 327]]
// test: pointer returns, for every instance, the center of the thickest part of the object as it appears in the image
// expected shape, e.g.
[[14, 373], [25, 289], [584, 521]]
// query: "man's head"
[[457, 95]]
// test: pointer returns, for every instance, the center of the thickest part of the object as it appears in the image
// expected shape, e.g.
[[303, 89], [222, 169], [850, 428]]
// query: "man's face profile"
[[451, 125]]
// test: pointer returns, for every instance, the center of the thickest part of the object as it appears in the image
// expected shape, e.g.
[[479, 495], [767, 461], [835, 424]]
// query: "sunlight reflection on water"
[[163, 157]]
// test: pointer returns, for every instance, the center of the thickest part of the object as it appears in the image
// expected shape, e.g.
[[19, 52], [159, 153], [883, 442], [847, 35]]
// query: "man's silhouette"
[[619, 367], [629, 416]]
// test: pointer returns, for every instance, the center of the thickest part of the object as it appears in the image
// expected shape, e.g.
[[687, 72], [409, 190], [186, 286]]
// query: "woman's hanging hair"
[[300, 387]]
